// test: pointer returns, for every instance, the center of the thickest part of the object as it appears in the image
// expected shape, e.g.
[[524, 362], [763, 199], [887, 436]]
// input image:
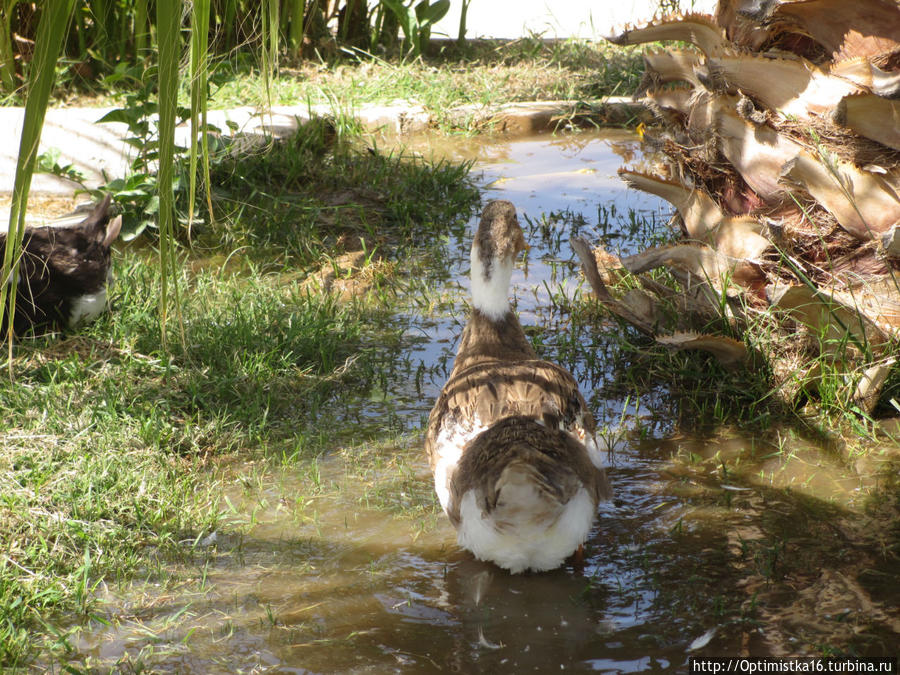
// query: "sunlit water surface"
[[715, 544]]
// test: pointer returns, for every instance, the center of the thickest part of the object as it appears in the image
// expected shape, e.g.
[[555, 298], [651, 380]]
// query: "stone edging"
[[98, 149]]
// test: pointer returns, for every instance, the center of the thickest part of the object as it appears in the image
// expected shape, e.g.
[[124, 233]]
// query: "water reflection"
[[742, 545], [547, 174]]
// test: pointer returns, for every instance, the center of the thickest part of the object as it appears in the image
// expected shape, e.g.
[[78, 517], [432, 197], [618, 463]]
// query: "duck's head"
[[497, 243]]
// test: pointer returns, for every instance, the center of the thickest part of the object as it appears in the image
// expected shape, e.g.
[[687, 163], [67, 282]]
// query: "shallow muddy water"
[[715, 544]]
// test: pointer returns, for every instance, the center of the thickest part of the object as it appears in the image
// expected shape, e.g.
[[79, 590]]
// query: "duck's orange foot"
[[577, 558]]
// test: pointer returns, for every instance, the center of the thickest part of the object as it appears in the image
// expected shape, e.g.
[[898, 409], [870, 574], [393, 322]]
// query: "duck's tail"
[[526, 495]]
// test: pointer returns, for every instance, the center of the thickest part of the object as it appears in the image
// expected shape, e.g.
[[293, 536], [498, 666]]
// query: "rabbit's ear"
[[112, 231], [99, 216]]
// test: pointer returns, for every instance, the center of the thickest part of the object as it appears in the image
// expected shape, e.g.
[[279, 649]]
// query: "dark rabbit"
[[63, 273]]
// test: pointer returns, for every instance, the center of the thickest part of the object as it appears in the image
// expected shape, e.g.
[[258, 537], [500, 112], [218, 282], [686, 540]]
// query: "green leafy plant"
[[108, 33], [416, 21], [137, 193], [48, 162]]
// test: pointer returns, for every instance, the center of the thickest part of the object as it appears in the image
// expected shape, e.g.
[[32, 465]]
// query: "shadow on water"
[[720, 543]]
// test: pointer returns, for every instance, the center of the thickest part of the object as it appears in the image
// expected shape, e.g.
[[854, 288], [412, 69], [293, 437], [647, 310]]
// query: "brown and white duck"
[[510, 438]]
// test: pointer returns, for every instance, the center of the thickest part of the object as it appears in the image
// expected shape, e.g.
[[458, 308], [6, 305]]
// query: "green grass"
[[486, 74], [321, 186], [107, 436], [111, 443]]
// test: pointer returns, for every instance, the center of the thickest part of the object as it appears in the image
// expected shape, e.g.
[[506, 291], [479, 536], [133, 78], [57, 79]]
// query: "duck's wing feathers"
[[481, 395]]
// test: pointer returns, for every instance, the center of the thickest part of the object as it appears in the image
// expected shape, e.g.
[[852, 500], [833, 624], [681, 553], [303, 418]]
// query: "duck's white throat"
[[490, 295]]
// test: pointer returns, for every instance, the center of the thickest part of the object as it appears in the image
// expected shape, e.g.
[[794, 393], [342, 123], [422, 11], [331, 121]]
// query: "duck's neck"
[[490, 285], [487, 340]]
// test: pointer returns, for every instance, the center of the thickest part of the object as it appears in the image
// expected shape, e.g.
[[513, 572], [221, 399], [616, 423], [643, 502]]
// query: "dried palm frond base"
[[808, 339], [777, 144]]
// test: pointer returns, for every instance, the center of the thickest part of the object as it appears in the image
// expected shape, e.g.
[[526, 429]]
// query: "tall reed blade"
[[228, 21], [295, 11], [269, 33], [168, 21], [199, 74], [7, 57], [464, 10], [41, 76], [141, 29], [274, 29]]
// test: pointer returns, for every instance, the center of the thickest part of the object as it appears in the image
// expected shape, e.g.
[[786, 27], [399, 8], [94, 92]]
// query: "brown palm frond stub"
[[777, 144]]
